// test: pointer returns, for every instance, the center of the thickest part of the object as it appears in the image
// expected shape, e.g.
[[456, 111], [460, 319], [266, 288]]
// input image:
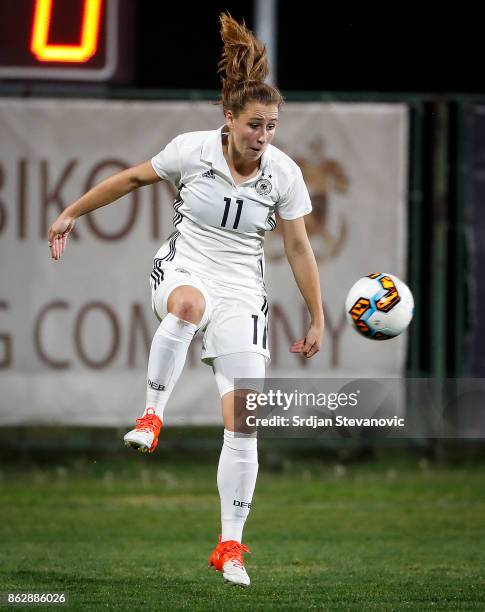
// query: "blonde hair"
[[243, 68]]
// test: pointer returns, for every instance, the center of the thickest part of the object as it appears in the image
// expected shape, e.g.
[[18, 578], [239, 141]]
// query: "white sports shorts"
[[234, 321]]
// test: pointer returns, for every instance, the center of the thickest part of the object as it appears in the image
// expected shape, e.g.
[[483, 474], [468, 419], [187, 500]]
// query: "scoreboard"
[[65, 40]]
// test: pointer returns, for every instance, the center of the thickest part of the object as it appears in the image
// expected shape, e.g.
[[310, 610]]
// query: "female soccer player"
[[208, 275]]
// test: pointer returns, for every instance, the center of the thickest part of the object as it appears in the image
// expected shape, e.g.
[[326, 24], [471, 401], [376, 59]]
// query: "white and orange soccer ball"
[[379, 306]]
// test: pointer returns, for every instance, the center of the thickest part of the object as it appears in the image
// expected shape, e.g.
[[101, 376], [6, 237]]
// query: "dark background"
[[176, 45], [388, 50]]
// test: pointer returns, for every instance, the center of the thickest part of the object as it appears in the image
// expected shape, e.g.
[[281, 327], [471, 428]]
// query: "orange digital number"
[[81, 53]]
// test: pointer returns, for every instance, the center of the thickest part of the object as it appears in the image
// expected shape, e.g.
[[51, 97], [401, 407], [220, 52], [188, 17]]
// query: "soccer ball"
[[379, 306]]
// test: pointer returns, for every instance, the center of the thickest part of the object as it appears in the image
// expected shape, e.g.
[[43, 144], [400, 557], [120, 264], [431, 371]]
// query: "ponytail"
[[243, 68]]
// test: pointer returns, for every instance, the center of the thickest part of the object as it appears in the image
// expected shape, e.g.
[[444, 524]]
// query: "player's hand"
[[310, 345], [58, 233]]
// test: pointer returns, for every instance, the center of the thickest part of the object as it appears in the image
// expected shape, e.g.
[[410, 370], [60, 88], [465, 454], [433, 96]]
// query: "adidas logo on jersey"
[[209, 174]]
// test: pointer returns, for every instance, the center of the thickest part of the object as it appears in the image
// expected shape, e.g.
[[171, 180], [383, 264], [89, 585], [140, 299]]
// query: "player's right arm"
[[109, 190]]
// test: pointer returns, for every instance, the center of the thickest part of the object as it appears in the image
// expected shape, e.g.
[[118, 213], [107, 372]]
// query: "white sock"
[[166, 361], [236, 479]]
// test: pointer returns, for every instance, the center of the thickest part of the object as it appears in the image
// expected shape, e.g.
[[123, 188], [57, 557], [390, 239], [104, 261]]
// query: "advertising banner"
[[75, 334]]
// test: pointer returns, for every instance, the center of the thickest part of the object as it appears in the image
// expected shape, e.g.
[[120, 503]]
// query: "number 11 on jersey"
[[228, 208]]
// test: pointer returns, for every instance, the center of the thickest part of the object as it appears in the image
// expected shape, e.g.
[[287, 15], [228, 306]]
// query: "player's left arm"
[[302, 261]]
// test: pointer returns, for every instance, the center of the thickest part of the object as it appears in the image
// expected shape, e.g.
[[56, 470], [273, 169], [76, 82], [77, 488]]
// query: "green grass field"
[[136, 533]]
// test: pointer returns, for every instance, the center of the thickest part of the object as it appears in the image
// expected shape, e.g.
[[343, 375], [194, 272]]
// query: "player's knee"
[[187, 310], [187, 307]]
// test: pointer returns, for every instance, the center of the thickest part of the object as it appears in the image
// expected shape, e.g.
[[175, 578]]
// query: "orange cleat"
[[227, 558], [144, 437]]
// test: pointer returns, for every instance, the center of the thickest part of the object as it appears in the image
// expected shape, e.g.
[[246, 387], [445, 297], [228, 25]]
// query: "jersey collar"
[[212, 154]]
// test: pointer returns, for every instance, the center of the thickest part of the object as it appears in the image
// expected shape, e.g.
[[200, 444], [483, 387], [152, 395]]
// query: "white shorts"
[[235, 321], [239, 371]]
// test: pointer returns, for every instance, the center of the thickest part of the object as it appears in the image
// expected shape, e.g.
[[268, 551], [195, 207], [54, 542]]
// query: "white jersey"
[[220, 226]]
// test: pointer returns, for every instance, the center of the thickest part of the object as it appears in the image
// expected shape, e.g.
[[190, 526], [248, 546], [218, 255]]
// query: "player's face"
[[253, 129]]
